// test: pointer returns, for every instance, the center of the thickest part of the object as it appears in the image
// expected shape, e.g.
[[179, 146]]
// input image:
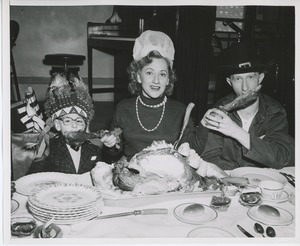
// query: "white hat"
[[153, 40]]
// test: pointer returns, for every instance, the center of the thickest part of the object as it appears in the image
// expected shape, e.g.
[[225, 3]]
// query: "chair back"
[[14, 32]]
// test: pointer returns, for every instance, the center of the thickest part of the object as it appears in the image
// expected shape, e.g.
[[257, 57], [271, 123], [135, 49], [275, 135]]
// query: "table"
[[166, 226]]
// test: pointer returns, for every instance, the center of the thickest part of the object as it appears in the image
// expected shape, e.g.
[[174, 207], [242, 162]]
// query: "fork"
[[290, 178]]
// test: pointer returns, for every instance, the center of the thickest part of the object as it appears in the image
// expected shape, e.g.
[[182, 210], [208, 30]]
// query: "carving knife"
[[136, 212], [244, 231]]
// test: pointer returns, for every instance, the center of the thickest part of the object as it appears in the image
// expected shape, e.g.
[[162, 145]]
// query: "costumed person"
[[70, 110], [151, 114], [254, 135]]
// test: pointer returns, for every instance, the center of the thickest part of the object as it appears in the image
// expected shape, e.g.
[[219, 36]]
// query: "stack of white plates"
[[28, 183], [66, 203]]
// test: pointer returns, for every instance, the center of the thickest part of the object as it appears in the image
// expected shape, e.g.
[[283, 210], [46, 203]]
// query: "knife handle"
[[242, 181], [151, 211]]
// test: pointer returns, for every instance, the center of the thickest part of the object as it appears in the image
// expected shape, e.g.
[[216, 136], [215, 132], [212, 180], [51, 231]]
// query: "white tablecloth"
[[165, 226]]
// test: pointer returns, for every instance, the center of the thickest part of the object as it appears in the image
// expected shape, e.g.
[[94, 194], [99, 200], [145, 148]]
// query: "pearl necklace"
[[163, 103], [152, 106]]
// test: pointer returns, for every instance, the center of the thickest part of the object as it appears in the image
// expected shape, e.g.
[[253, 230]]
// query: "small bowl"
[[250, 199], [55, 232], [220, 203], [22, 226]]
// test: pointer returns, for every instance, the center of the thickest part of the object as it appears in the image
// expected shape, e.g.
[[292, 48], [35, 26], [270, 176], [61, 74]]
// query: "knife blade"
[[135, 212], [244, 231]]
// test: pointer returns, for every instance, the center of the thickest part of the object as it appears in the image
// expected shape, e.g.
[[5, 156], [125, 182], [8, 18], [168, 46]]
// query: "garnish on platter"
[[157, 169]]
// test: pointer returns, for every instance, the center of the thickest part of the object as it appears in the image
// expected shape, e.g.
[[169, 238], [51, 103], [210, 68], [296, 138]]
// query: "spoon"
[[259, 229], [271, 232]]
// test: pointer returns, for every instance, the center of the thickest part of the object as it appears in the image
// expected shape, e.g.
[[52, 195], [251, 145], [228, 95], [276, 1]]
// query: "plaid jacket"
[[60, 160]]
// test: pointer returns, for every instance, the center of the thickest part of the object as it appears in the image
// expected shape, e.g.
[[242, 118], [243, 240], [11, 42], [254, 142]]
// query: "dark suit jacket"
[[60, 160]]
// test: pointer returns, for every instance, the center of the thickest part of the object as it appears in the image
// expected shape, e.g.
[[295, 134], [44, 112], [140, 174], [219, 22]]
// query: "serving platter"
[[130, 201], [28, 183], [255, 174]]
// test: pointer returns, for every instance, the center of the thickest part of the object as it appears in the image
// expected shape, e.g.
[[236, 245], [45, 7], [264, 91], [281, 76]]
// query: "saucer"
[[208, 215], [285, 218], [283, 198]]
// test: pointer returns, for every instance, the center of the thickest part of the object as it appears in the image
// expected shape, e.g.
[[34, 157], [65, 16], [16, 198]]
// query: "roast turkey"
[[157, 169]]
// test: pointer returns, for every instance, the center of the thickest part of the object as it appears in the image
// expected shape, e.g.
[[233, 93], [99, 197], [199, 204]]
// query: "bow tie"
[[75, 147]]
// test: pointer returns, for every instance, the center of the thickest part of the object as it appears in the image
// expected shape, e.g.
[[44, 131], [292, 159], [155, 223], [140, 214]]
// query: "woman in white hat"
[[151, 114]]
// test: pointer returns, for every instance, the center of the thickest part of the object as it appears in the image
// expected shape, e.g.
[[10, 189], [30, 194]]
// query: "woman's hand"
[[217, 120], [109, 140]]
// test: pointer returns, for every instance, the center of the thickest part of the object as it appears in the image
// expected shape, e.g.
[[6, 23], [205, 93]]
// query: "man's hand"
[[109, 140], [218, 120]]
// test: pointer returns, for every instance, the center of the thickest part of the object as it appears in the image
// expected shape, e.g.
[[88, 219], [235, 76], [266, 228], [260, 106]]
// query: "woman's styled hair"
[[135, 67]]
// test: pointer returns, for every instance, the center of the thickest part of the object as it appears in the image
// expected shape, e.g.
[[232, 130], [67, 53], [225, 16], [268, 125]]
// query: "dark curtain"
[[286, 63], [193, 53]]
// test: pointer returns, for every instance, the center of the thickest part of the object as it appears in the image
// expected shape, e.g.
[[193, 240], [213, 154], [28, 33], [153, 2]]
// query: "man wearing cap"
[[253, 135]]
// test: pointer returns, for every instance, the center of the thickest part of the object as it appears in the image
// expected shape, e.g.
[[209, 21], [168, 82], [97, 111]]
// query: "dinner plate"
[[211, 232], [14, 206], [68, 196], [30, 182], [63, 211], [46, 214], [255, 174], [285, 218], [67, 221], [208, 215], [283, 198]]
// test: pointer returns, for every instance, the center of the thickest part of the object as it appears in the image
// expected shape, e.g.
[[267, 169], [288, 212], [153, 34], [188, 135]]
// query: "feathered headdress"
[[66, 96]]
